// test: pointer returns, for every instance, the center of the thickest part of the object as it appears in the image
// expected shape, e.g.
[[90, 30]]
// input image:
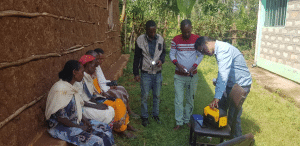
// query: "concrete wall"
[[23, 37], [279, 47]]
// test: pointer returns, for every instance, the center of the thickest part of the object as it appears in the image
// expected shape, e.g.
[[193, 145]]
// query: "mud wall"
[[81, 23]]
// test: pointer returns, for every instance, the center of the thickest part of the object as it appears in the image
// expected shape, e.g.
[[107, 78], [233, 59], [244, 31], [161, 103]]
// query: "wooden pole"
[[178, 19], [131, 36], [25, 60], [125, 34], [165, 28], [123, 14], [233, 34], [13, 13], [44, 56], [16, 113]]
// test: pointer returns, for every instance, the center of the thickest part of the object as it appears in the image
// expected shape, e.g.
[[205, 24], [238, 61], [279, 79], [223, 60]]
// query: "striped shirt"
[[184, 52]]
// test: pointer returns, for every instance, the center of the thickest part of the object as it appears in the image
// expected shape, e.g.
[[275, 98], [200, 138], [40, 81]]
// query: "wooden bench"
[[43, 138]]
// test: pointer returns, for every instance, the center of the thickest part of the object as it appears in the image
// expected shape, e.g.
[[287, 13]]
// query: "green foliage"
[[213, 18], [185, 6], [216, 19], [163, 12]]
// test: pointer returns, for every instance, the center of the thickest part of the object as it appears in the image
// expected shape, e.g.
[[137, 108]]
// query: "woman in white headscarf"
[[64, 112]]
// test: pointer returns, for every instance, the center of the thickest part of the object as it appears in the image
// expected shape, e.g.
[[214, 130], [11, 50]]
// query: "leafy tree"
[[214, 18], [186, 6]]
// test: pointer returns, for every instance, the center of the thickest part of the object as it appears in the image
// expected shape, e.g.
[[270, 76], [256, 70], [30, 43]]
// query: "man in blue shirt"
[[232, 69]]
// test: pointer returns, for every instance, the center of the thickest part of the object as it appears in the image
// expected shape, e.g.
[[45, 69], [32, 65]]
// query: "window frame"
[[275, 13]]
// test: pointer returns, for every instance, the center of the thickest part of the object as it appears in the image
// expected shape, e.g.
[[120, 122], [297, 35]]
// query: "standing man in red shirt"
[[186, 58]]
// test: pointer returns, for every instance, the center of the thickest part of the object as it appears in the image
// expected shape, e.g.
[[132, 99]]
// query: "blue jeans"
[[148, 82], [224, 105]]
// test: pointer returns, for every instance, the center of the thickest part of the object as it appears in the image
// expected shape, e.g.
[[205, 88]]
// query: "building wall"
[[280, 46], [22, 37]]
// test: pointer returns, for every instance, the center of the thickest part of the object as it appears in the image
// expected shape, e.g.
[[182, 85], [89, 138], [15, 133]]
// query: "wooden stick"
[[44, 56], [20, 110], [74, 47], [9, 13], [33, 57], [110, 31], [87, 45], [71, 51], [99, 42], [16, 113], [112, 53]]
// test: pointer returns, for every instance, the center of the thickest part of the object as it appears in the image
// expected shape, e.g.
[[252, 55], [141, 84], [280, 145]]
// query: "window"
[[275, 13]]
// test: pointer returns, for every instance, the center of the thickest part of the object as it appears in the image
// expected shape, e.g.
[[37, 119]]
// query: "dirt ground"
[[274, 83]]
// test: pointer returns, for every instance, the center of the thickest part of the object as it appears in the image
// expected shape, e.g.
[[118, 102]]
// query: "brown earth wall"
[[22, 37]]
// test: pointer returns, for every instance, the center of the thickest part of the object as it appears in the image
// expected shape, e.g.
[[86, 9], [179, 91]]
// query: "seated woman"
[[64, 112], [116, 91], [92, 110], [88, 94]]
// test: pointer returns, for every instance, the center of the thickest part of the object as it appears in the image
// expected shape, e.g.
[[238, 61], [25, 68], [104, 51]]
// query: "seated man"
[[89, 94], [116, 91]]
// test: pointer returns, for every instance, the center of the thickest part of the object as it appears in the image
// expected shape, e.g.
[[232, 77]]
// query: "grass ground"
[[271, 119]]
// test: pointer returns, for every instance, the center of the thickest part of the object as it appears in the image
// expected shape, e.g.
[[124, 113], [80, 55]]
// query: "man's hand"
[[193, 68], [84, 127], [112, 98], [159, 63], [137, 78], [87, 123], [214, 82], [214, 104], [89, 127], [102, 106], [181, 68], [113, 87], [105, 94], [93, 100]]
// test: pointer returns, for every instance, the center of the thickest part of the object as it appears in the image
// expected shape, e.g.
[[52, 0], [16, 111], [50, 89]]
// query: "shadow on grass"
[[249, 126]]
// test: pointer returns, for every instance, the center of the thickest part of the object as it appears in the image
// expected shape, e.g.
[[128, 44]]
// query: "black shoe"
[[156, 118], [145, 122]]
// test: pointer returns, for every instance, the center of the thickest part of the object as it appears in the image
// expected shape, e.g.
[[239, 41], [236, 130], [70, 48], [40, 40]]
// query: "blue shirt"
[[232, 68]]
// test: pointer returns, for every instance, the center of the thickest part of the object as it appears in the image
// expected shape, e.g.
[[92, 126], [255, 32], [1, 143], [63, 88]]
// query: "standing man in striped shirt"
[[186, 59]]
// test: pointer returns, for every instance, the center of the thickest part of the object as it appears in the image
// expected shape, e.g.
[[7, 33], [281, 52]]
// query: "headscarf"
[[86, 58], [60, 96]]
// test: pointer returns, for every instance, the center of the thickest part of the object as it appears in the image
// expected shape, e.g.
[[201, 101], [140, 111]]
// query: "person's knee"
[[111, 110]]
